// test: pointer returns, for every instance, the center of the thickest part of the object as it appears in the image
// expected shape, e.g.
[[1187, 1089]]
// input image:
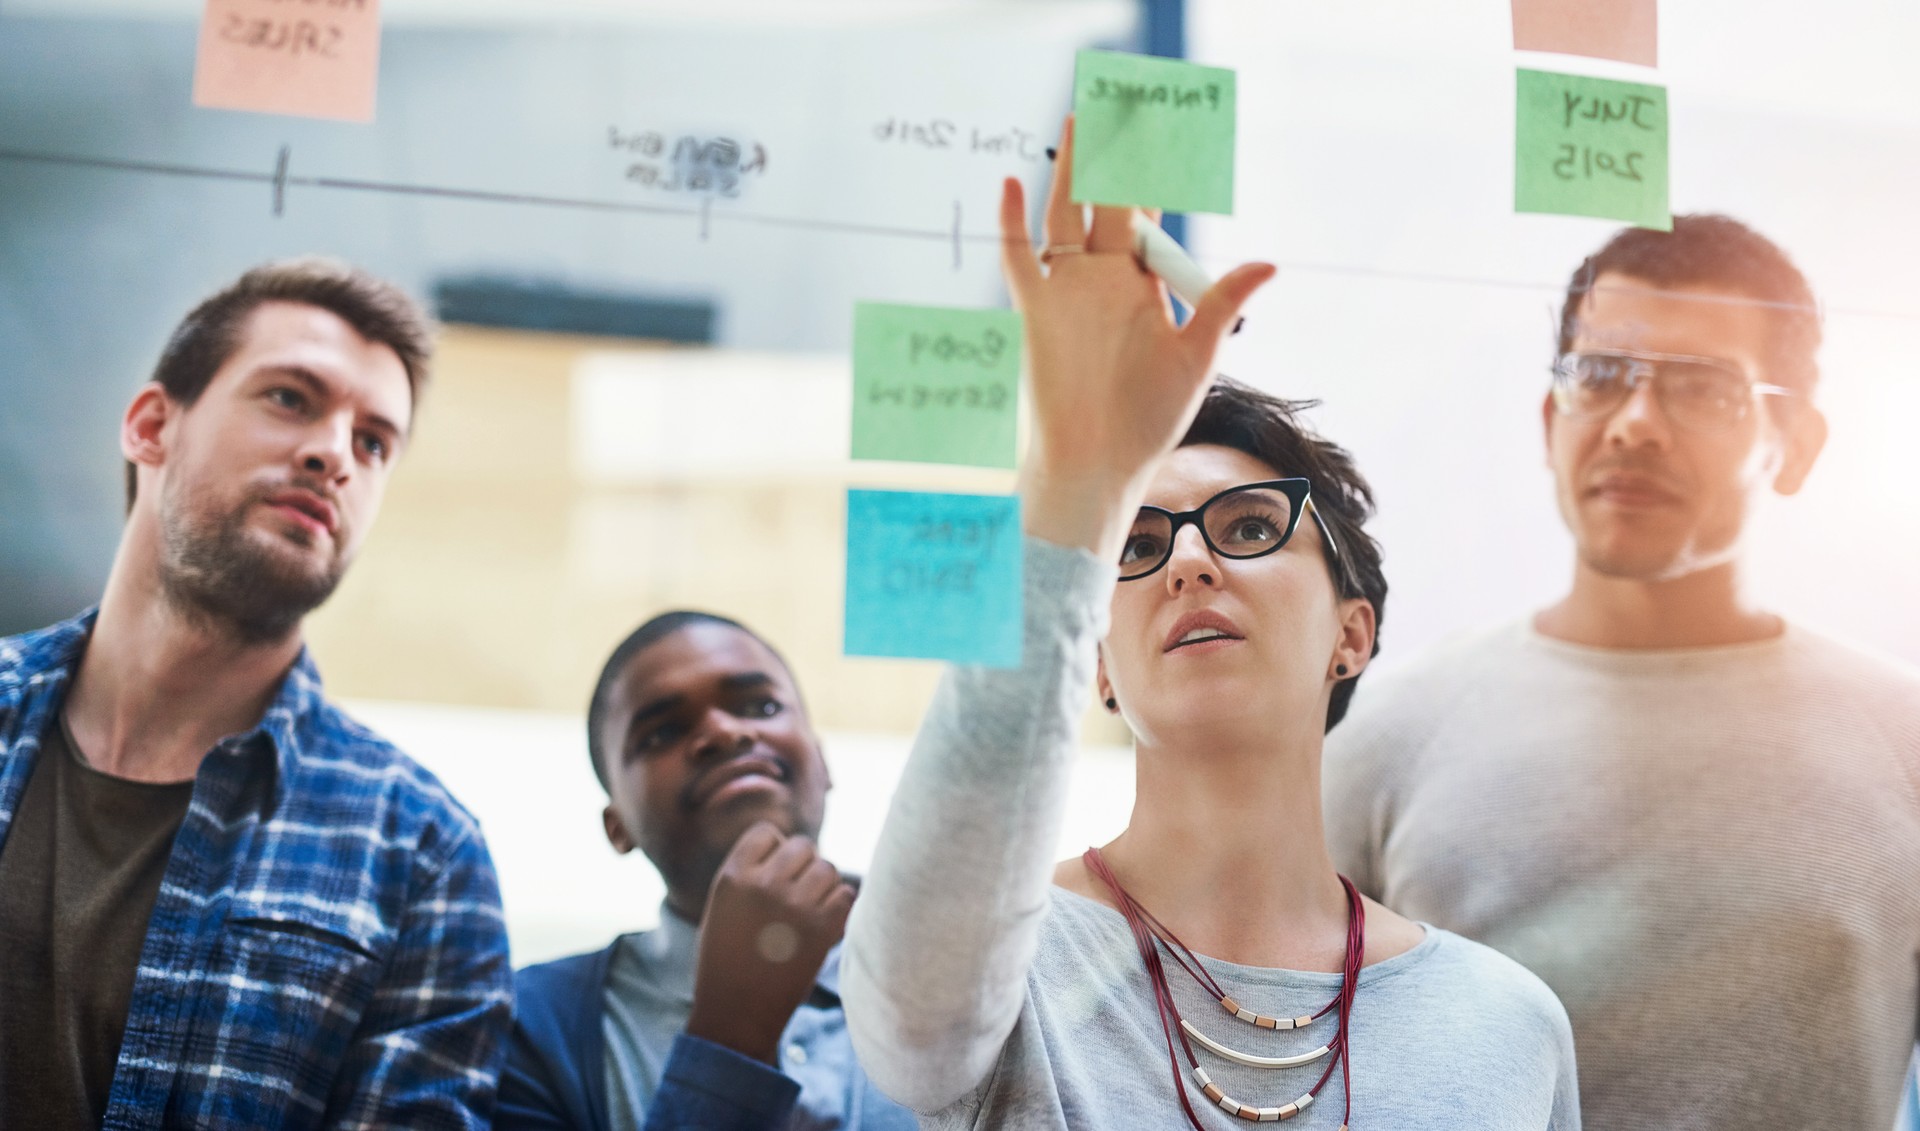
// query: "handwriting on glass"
[[948, 349], [944, 133], [954, 550], [717, 166], [1585, 161], [293, 36], [1203, 97], [991, 397], [952, 348]]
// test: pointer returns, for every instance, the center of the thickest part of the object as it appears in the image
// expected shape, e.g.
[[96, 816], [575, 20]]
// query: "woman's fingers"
[[1065, 224], [1112, 231], [1152, 216], [1016, 249], [1220, 307]]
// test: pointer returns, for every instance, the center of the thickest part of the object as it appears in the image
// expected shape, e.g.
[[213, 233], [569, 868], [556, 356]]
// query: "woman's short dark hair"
[[208, 336], [1269, 429]]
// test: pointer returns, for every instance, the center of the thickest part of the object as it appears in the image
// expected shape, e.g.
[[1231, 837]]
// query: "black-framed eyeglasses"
[[1248, 521], [1705, 394]]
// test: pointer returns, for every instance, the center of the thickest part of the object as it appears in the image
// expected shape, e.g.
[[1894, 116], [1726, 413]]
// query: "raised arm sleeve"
[[940, 941]]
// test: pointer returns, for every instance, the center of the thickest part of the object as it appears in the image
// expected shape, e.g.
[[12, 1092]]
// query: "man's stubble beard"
[[1655, 563], [214, 573]]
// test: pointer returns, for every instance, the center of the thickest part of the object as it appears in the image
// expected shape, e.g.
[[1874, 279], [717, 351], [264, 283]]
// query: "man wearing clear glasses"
[[1698, 822]]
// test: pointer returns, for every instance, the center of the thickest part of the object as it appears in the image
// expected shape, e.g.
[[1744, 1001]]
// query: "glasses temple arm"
[[1325, 533]]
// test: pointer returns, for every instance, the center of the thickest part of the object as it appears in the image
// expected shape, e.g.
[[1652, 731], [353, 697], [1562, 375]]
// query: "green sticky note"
[[934, 576], [1152, 132], [1591, 147], [935, 384]]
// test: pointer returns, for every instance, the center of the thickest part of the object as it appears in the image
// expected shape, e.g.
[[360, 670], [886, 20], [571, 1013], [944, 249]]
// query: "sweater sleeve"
[[942, 936]]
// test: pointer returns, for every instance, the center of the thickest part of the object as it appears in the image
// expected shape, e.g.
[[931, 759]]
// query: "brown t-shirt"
[[79, 872]]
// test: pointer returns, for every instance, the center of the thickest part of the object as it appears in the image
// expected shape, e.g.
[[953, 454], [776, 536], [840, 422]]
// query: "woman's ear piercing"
[[1113, 704], [1340, 669]]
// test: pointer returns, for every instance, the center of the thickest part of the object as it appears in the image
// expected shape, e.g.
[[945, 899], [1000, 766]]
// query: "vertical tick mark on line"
[[956, 235], [280, 180]]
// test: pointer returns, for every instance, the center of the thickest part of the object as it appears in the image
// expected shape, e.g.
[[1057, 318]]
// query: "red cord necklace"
[[1149, 934]]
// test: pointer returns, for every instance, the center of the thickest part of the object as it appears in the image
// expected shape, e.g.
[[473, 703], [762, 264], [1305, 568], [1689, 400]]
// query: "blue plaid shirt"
[[327, 948]]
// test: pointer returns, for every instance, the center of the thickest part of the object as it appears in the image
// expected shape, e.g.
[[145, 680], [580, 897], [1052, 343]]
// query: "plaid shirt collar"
[[38, 676]]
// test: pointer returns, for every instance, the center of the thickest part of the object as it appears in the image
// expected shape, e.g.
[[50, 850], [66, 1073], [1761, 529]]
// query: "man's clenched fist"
[[776, 908]]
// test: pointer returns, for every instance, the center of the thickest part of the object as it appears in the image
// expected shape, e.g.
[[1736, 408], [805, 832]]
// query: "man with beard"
[[727, 1016], [1696, 821], [223, 903]]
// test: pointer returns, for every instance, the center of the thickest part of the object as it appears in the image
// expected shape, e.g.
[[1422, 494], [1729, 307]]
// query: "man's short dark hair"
[[638, 641], [1269, 429], [376, 309], [1708, 250]]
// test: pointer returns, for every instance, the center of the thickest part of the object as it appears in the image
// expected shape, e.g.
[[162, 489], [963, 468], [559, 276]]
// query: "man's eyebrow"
[[313, 381], [385, 425], [742, 681], [666, 704]]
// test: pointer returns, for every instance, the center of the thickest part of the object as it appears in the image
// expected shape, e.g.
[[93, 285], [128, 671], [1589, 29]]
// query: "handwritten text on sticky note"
[[935, 384], [1591, 147], [934, 577], [1627, 30], [314, 59], [1153, 132]]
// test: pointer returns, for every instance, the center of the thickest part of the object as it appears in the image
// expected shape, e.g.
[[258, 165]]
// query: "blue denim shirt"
[[327, 948], [598, 1046], [648, 998]]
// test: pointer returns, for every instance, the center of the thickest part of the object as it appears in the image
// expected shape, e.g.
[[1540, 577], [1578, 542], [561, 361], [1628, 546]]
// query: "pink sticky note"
[[312, 58], [1626, 30]]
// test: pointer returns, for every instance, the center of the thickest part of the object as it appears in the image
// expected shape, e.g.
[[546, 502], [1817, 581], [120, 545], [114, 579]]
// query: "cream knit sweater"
[[1711, 855]]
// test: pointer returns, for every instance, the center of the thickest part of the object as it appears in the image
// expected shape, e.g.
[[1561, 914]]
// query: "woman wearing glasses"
[[1207, 965]]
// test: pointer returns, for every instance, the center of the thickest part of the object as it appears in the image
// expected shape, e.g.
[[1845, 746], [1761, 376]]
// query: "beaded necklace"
[[1150, 935]]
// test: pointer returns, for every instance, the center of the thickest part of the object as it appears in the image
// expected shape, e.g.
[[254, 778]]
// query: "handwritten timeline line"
[[281, 178], [957, 235], [280, 181]]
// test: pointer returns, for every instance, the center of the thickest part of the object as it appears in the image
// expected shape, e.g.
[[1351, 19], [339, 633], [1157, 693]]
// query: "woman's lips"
[[1200, 647], [1204, 621]]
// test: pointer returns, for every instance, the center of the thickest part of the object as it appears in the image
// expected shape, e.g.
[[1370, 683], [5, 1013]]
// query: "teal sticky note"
[[934, 577], [935, 384], [1152, 132], [1591, 147]]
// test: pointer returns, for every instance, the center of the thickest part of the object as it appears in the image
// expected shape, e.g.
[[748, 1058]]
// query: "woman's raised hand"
[[1115, 382]]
